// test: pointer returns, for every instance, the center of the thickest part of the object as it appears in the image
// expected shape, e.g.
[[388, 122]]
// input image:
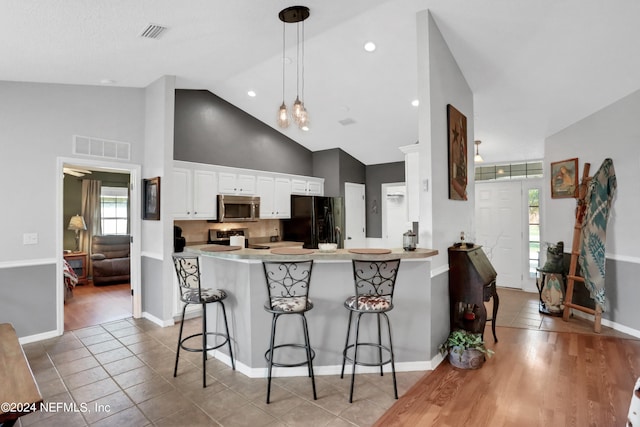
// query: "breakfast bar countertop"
[[316, 255]]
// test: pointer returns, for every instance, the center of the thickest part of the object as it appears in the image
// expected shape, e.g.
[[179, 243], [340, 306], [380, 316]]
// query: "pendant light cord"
[[283, 57], [302, 62], [298, 59]]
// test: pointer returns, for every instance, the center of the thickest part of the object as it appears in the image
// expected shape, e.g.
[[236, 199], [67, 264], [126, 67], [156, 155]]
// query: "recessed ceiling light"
[[415, 102], [369, 46], [251, 93], [107, 81]]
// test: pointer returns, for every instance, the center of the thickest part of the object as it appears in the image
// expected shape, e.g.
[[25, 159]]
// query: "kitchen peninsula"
[[241, 274]]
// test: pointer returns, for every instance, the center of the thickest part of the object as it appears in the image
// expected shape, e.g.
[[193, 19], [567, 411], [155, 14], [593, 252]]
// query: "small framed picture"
[[564, 178], [151, 198]]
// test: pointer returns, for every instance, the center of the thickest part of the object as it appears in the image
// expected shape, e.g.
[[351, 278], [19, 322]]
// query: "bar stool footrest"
[[200, 349], [369, 344], [293, 364]]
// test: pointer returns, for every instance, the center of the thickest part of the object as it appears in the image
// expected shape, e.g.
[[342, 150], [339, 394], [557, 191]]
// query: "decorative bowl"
[[327, 247]]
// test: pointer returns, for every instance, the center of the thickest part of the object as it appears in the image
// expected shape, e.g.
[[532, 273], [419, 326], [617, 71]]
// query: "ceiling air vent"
[[152, 31], [346, 122]]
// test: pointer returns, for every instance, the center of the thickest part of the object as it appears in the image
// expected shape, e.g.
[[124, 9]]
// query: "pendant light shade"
[[477, 158], [283, 116], [297, 15]]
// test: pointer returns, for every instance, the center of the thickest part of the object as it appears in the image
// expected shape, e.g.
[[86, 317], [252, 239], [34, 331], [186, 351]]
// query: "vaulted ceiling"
[[534, 67]]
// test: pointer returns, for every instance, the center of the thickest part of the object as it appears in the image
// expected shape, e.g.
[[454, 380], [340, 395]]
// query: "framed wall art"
[[564, 178], [457, 139], [151, 198]]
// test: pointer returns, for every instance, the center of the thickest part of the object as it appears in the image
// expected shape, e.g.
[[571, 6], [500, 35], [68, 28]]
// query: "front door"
[[499, 222]]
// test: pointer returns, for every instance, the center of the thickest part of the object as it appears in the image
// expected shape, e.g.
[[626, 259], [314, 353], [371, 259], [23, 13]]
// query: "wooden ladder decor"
[[572, 277]]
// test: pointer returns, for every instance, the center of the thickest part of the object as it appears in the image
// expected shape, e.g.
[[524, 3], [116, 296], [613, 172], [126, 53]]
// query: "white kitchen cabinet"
[[308, 187], [412, 180], [205, 201], [193, 194], [275, 197], [232, 183]]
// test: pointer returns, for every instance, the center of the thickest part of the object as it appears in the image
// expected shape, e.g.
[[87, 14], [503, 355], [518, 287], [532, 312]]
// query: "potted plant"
[[466, 349]]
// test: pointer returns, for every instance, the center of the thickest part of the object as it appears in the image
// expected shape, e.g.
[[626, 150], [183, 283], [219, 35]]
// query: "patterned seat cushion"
[[208, 295], [289, 304], [369, 303]]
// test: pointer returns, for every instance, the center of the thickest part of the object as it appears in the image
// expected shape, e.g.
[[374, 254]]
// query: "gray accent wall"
[[337, 166], [376, 176], [153, 298], [28, 299], [439, 311], [210, 130]]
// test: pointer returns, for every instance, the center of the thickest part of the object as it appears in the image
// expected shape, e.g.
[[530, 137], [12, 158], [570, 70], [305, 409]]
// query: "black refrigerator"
[[315, 219]]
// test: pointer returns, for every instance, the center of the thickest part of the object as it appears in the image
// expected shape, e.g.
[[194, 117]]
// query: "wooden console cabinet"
[[78, 261], [472, 281]]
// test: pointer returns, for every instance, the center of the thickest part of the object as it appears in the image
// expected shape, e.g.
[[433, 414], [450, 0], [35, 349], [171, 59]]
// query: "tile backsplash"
[[197, 231]]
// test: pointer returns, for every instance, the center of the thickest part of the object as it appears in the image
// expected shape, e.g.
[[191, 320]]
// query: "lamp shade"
[[77, 223]]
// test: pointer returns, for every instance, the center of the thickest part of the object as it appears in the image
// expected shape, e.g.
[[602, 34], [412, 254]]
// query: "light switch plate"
[[30, 239]]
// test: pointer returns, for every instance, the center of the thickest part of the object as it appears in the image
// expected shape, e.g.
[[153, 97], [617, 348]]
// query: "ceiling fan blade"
[[72, 172]]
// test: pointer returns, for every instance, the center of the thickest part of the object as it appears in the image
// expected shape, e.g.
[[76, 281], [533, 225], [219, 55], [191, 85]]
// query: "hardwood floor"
[[92, 305], [535, 378]]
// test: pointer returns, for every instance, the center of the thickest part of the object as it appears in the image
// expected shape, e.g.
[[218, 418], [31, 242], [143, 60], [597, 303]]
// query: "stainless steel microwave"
[[238, 208]]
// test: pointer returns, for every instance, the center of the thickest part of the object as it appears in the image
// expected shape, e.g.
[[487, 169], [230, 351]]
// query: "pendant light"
[[477, 158], [283, 114], [297, 15]]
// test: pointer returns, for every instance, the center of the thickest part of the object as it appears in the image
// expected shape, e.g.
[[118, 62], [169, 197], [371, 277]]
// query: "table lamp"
[[76, 224]]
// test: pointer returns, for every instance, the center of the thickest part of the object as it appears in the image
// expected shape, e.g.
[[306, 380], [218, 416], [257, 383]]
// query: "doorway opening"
[[394, 214], [108, 285]]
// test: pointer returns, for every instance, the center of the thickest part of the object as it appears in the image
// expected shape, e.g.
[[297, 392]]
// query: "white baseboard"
[[302, 371], [38, 337], [159, 322], [606, 322]]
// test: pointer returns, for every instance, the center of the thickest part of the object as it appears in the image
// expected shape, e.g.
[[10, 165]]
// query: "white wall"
[[37, 124], [440, 83], [157, 243], [611, 132]]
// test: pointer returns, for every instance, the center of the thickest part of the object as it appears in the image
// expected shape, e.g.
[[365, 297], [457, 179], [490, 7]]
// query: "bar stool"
[[288, 293], [374, 283], [188, 271]]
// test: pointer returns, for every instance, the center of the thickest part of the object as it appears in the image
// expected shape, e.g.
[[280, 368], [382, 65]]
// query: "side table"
[[78, 261]]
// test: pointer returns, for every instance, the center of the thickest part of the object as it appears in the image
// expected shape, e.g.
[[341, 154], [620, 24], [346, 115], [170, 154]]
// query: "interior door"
[[354, 216], [394, 214], [499, 213]]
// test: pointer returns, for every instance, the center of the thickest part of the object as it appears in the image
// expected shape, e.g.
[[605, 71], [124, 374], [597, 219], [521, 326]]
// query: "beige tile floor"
[[123, 372]]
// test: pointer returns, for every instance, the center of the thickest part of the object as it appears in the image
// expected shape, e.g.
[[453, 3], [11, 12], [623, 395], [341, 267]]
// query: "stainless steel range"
[[223, 237]]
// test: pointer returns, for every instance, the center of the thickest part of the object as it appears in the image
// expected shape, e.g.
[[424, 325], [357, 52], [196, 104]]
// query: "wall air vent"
[[152, 31], [103, 148], [346, 122]]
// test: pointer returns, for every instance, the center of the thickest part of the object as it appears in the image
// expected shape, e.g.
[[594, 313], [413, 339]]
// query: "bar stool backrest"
[[188, 271], [288, 284], [375, 278]]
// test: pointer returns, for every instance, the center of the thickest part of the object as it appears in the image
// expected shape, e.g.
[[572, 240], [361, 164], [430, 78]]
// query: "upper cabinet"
[[412, 180], [232, 183], [308, 186], [194, 194], [275, 197], [195, 187]]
